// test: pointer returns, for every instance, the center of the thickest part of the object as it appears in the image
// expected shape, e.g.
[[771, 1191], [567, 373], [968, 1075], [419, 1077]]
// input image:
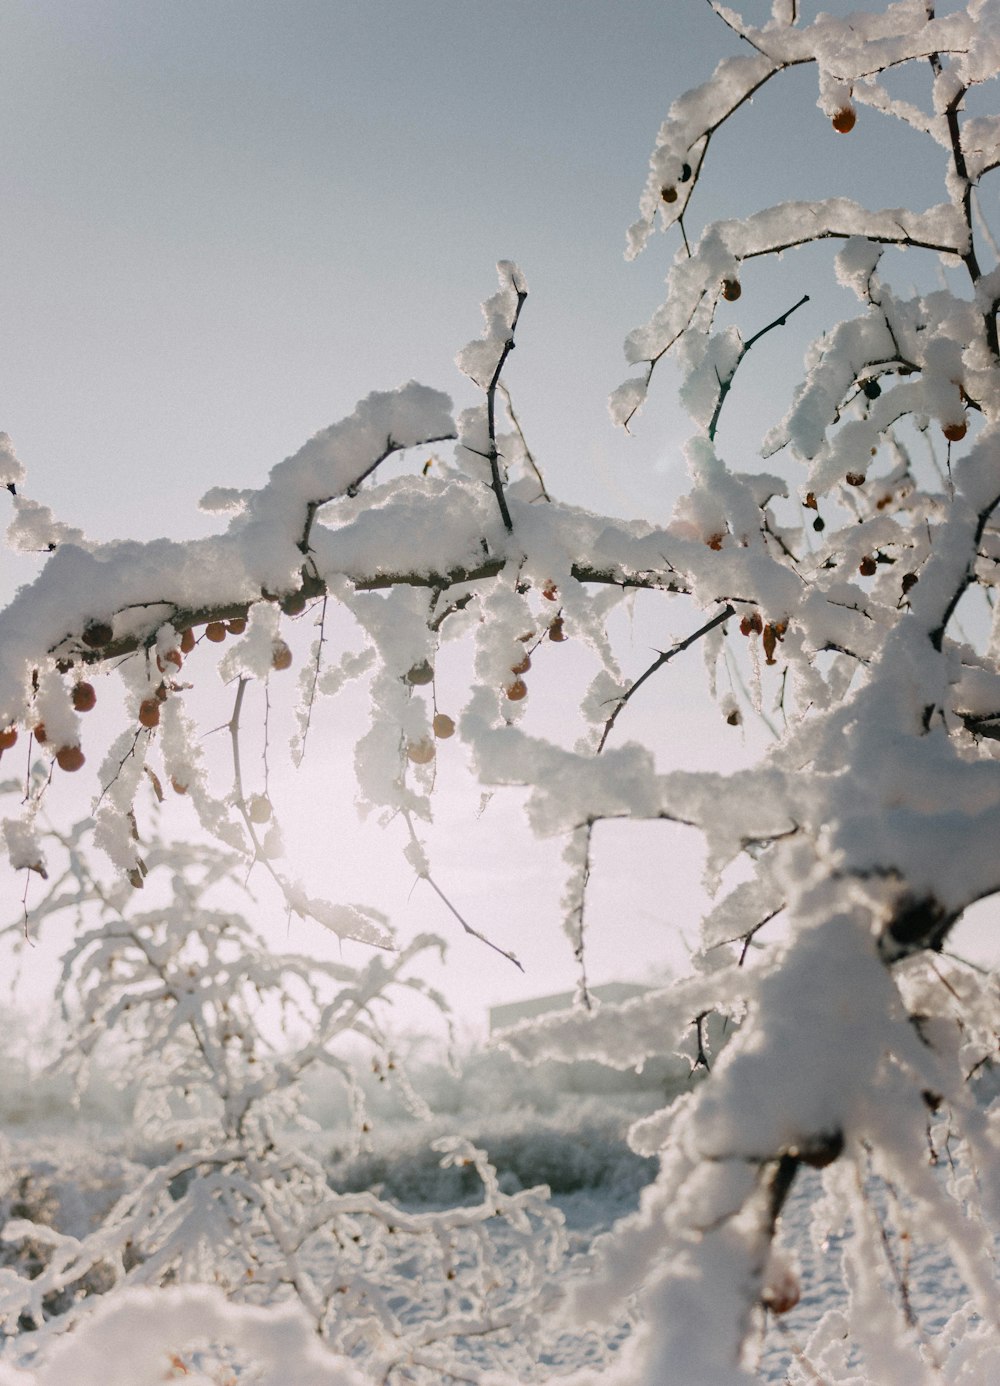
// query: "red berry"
[[83, 696], [69, 758]]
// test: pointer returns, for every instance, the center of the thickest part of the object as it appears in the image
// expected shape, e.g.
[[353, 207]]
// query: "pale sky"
[[226, 222]]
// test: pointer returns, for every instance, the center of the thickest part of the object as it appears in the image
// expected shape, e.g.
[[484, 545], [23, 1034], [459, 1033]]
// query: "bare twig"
[[726, 385], [658, 663], [529, 455], [317, 665], [423, 874], [426, 876]]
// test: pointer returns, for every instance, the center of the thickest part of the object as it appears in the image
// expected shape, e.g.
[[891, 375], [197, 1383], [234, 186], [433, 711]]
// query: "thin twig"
[[121, 764], [317, 664], [726, 385], [493, 456], [529, 455], [658, 663], [351, 489], [426, 876]]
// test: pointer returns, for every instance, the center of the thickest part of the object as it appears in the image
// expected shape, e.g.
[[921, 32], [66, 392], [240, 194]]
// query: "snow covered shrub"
[[845, 595], [183, 994], [564, 1155]]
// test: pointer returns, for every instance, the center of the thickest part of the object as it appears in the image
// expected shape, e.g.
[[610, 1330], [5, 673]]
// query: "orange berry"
[[443, 726], [187, 641], [83, 696], [517, 690], [41, 736], [954, 432], [867, 567], [844, 119], [421, 752], [69, 758], [281, 656], [522, 666], [215, 631], [855, 478], [149, 712], [293, 603], [237, 625], [731, 290], [556, 631], [177, 787], [668, 194], [550, 591], [8, 738]]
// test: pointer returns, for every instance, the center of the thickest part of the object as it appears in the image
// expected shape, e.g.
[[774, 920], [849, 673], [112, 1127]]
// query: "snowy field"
[[551, 1126]]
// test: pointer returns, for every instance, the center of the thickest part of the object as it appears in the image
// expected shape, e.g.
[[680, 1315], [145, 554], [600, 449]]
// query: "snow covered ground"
[[68, 1173]]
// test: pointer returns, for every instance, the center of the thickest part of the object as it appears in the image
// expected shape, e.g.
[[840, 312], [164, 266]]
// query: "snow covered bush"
[[850, 587], [183, 993]]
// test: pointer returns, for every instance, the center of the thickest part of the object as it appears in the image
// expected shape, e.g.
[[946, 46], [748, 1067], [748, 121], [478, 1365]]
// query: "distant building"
[[668, 1073], [501, 1017]]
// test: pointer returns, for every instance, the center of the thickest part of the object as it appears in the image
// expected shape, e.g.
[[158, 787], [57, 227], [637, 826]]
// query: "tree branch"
[[491, 390], [352, 489], [314, 587], [658, 663], [726, 385]]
